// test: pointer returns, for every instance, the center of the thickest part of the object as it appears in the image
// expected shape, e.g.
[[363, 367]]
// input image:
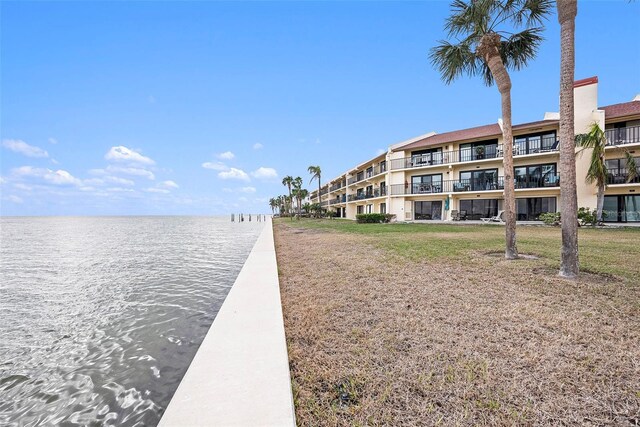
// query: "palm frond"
[[520, 48], [453, 60], [632, 166]]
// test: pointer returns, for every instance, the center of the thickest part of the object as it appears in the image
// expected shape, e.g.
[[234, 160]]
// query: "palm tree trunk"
[[290, 203], [488, 50], [569, 264], [600, 203]]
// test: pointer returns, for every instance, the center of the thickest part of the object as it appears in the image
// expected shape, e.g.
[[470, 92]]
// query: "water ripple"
[[100, 317]]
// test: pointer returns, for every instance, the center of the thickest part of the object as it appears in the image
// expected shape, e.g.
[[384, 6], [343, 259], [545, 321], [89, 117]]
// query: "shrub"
[[587, 217], [550, 218], [374, 218]]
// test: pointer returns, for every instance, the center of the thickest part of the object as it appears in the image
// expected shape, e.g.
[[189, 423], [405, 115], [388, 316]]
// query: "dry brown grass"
[[380, 339]]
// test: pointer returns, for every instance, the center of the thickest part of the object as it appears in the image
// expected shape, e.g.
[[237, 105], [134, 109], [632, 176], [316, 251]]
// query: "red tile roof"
[[621, 110], [585, 82], [486, 131]]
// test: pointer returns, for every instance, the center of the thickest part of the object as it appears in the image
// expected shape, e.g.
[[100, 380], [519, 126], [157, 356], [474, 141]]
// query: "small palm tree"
[[287, 181], [315, 174], [486, 44], [597, 173]]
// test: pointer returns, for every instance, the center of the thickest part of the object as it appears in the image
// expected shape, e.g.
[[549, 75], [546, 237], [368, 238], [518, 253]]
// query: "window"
[[428, 210], [428, 157], [534, 143], [383, 188], [383, 208], [479, 180], [369, 172], [479, 150], [479, 208], [617, 170], [621, 208], [369, 209], [383, 166], [359, 209], [536, 176], [360, 176], [426, 184], [369, 191], [529, 209]]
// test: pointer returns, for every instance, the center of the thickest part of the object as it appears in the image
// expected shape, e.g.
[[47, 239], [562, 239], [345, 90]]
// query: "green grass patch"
[[613, 251]]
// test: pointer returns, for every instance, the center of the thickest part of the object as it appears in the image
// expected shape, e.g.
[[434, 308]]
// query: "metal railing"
[[542, 145], [621, 176], [341, 199], [337, 186], [483, 184], [621, 136], [377, 192], [324, 191], [376, 170]]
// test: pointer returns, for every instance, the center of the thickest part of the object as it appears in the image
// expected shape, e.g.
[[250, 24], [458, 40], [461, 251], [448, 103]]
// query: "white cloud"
[[3, 180], [258, 146], [21, 186], [217, 166], [14, 199], [227, 155], [168, 184], [227, 190], [59, 177], [247, 190], [122, 153], [234, 173], [125, 171], [380, 151], [54, 161], [120, 190], [157, 190], [19, 146], [242, 199], [265, 173], [118, 180], [52, 141]]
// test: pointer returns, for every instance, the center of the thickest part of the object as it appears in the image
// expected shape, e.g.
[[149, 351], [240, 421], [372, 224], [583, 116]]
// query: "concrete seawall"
[[240, 374]]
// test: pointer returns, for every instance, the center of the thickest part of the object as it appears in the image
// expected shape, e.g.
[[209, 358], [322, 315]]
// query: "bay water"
[[101, 316]]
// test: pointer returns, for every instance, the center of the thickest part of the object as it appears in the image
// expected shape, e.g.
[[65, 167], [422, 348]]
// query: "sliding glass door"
[[428, 210]]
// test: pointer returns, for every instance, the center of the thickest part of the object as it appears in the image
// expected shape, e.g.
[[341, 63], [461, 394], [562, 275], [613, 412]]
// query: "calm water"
[[100, 317]]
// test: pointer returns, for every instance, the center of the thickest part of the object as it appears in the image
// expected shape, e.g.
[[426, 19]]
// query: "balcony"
[[377, 192], [622, 136], [544, 145], [324, 191], [337, 200], [466, 185], [619, 176], [337, 186], [369, 173]]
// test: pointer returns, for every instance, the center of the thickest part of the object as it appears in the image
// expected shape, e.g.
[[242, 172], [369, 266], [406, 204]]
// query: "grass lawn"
[[427, 324], [614, 251]]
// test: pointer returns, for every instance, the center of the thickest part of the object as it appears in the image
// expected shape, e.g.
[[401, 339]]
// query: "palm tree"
[[485, 45], [272, 204], [315, 174], [287, 181], [596, 141], [569, 262], [297, 185]]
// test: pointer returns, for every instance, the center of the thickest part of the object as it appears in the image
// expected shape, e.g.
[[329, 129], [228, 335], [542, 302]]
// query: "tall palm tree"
[[596, 141], [315, 174], [287, 181], [486, 45], [569, 262], [297, 185]]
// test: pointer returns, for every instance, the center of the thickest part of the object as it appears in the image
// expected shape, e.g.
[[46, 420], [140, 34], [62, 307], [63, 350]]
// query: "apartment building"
[[428, 177]]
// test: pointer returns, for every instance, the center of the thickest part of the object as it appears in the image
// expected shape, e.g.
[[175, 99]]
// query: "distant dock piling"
[[250, 217]]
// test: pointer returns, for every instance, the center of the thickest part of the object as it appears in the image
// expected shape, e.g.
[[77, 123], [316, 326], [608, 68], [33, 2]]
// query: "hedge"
[[374, 218]]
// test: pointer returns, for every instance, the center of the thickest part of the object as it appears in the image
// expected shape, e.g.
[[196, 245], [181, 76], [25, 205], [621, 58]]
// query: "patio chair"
[[463, 215], [455, 215], [497, 218]]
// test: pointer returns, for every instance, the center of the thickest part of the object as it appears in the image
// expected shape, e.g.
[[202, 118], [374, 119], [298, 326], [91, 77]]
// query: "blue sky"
[[113, 108]]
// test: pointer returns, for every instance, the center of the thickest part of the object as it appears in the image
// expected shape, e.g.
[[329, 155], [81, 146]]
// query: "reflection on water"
[[100, 317]]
